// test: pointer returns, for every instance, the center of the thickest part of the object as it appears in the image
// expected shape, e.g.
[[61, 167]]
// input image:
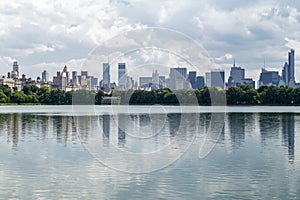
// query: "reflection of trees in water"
[[62, 127], [210, 124], [237, 128], [86, 126], [174, 122], [18, 126], [106, 125], [15, 127], [144, 120], [288, 134], [122, 125], [269, 124]]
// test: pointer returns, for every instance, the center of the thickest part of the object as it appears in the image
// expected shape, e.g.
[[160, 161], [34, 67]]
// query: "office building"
[[178, 78], [15, 71], [268, 78], [122, 75], [200, 83], [162, 82], [62, 79], [215, 78], [74, 78], [236, 76], [193, 79], [291, 73], [145, 82], [45, 76], [155, 80], [94, 82], [106, 74], [248, 81], [288, 71]]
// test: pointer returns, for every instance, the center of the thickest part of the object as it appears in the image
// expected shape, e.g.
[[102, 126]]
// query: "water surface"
[[53, 152]]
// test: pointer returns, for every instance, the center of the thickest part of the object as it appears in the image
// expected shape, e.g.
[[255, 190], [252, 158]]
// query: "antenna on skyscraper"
[[233, 61]]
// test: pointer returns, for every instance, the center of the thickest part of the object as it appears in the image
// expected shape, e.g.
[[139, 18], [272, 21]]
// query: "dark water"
[[238, 155]]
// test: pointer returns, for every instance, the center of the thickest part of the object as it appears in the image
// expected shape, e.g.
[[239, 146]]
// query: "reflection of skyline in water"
[[237, 125], [288, 134], [275, 124], [44, 152], [15, 127]]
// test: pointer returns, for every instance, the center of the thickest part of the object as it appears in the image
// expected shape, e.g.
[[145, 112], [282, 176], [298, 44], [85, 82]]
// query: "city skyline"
[[179, 78]]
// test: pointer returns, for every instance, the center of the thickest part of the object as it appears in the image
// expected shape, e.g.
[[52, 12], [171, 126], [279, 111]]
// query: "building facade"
[[237, 74], [122, 75], [268, 78], [178, 78], [215, 78], [106, 75], [193, 79], [200, 83], [45, 76]]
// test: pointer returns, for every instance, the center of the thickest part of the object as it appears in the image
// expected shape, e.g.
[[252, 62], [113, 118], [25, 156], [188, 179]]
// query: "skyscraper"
[[291, 76], [106, 74], [45, 76], [74, 78], [200, 82], [145, 82], [122, 74], [193, 78], [215, 78], [16, 67], [285, 74], [155, 80], [288, 71], [15, 71], [178, 78], [237, 74], [268, 78], [62, 79]]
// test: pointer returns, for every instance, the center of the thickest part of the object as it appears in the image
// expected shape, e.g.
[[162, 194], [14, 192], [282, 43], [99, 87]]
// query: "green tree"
[[83, 97], [18, 97], [30, 89], [233, 95], [3, 97], [44, 94], [6, 90], [249, 95], [296, 96], [98, 98], [268, 95], [204, 97], [57, 97]]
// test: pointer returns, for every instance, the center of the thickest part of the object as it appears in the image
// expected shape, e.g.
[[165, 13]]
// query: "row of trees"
[[31, 94], [241, 95]]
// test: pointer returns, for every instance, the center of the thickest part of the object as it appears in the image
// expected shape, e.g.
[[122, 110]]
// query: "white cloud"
[[225, 57], [43, 31]]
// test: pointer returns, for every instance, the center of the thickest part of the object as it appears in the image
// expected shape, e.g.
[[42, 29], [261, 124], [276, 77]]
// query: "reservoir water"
[[156, 152]]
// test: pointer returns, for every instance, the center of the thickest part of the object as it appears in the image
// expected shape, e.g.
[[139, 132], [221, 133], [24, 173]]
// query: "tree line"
[[240, 95]]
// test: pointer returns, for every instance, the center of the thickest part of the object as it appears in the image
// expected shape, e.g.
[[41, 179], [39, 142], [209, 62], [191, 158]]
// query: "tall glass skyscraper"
[[106, 74], [45, 76], [215, 78], [122, 74], [178, 78], [288, 72], [291, 68]]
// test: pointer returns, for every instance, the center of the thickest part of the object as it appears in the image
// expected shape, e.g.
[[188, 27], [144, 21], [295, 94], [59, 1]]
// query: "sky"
[[43, 34]]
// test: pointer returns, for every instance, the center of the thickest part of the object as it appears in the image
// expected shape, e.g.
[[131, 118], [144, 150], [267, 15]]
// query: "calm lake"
[[149, 152]]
